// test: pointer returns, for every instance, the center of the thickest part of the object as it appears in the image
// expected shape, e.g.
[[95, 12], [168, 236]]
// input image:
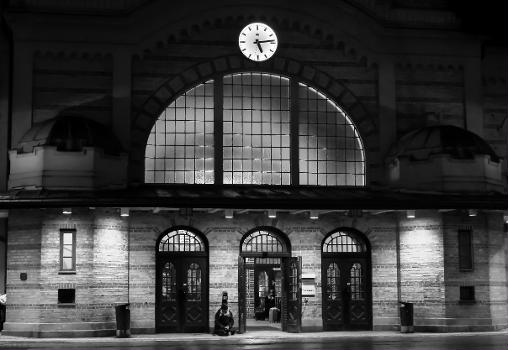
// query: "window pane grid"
[[67, 250], [357, 290], [262, 241], [180, 146], [194, 282], [169, 282], [330, 148], [333, 290], [341, 242], [256, 136], [256, 129], [181, 241]]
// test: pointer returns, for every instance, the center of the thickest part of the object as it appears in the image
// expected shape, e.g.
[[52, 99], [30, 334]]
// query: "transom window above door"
[[254, 129]]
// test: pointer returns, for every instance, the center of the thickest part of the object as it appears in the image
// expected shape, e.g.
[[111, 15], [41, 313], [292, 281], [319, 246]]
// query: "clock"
[[257, 41]]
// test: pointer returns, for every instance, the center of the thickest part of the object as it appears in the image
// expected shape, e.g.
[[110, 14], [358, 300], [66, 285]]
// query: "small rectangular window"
[[465, 243], [67, 250], [467, 294], [66, 296]]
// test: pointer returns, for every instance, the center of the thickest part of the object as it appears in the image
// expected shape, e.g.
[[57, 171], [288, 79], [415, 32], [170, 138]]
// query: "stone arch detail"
[[150, 110], [324, 31]]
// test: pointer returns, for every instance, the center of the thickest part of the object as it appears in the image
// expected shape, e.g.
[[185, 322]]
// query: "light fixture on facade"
[[472, 212], [228, 214], [411, 214], [4, 214], [67, 211], [272, 214], [505, 218], [124, 212], [314, 215]]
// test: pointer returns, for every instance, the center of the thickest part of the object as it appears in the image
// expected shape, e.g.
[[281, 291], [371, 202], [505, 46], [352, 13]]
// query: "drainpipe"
[[397, 248]]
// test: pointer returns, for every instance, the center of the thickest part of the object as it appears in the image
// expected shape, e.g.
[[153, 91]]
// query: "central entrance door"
[[182, 282], [269, 282], [346, 282]]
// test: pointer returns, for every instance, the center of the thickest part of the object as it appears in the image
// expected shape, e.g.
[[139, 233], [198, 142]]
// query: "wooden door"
[[291, 317], [242, 305], [182, 294], [346, 293]]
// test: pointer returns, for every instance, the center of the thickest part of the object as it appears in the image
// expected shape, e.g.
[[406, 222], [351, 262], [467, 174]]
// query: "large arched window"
[[252, 130]]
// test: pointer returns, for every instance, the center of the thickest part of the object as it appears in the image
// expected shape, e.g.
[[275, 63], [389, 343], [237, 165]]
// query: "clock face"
[[258, 42]]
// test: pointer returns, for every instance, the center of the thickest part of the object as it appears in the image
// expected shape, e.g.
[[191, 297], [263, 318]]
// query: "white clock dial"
[[257, 42]]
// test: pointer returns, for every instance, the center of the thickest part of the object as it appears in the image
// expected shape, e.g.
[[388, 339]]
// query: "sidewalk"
[[253, 337]]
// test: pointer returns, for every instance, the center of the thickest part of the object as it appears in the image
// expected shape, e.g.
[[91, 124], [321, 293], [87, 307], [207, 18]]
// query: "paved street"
[[276, 341]]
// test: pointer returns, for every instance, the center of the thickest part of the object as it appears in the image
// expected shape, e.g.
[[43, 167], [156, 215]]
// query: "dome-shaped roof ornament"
[[444, 158], [451, 140], [70, 134], [68, 152]]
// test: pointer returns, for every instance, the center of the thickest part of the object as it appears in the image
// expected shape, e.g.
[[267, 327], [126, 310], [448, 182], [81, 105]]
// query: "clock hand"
[[266, 41], [259, 45]]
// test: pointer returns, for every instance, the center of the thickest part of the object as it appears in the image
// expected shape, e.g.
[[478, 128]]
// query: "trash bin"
[[406, 317], [123, 320]]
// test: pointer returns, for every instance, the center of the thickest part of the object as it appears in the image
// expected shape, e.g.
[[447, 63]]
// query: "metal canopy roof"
[[252, 197]]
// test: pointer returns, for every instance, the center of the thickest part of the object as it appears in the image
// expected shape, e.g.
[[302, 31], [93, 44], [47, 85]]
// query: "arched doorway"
[[265, 270], [181, 296], [346, 281]]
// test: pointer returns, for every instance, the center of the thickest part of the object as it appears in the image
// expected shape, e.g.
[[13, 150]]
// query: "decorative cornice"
[[324, 37], [429, 67]]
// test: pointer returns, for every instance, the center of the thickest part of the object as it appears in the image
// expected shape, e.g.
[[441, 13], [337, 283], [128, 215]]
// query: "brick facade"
[[391, 70], [116, 263]]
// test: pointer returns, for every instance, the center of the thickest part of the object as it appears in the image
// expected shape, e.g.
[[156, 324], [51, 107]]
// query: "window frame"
[[295, 173], [463, 290], [72, 270], [463, 253]]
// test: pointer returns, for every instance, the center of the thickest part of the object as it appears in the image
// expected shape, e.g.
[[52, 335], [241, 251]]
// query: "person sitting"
[[224, 321]]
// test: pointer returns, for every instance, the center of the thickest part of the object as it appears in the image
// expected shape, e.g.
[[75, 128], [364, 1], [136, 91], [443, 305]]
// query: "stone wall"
[[429, 93], [73, 85]]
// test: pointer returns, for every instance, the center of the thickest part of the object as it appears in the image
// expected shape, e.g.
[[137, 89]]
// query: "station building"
[[344, 156]]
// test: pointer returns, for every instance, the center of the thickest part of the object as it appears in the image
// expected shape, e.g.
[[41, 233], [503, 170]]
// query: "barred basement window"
[[467, 294], [66, 296], [465, 244], [67, 250]]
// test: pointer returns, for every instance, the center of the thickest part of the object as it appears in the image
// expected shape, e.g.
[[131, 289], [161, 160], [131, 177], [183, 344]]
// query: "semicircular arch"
[[182, 240], [265, 241], [174, 87]]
